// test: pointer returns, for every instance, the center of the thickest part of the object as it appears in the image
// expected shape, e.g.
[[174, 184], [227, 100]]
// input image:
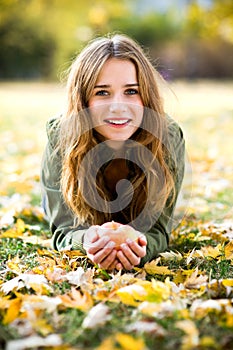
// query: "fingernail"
[[129, 241], [111, 244], [123, 245]]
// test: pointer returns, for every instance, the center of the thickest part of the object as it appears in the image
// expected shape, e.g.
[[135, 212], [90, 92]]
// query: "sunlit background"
[[186, 38], [191, 44]]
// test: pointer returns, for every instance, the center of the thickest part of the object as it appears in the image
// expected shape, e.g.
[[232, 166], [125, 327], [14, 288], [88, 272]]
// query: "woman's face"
[[115, 105]]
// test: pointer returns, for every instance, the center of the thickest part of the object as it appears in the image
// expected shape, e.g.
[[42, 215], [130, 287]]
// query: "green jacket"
[[65, 234]]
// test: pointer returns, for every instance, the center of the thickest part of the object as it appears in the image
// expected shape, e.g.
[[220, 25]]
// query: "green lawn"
[[182, 300]]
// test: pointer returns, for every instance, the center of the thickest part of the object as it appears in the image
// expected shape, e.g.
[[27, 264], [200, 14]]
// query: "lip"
[[117, 122]]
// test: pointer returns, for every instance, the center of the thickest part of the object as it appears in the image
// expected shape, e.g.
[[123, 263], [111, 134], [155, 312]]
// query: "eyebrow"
[[108, 86]]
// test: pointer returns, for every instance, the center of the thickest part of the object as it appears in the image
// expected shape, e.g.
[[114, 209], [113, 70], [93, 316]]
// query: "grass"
[[172, 311]]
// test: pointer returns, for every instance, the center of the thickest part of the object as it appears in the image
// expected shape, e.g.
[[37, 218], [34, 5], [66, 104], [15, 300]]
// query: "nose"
[[117, 104]]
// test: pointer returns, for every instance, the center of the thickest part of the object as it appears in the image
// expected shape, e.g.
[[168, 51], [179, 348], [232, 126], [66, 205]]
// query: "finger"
[[93, 248], [102, 254], [114, 263], [142, 240], [109, 263], [124, 260], [91, 235], [119, 266], [133, 258], [135, 248]]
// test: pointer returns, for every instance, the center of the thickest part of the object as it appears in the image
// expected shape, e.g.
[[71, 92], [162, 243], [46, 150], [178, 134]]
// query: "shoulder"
[[53, 129], [175, 132]]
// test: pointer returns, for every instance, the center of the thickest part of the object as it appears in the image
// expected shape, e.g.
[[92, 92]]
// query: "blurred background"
[[189, 41], [187, 38]]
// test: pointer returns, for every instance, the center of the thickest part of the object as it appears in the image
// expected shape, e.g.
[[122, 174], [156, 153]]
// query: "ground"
[[183, 299]]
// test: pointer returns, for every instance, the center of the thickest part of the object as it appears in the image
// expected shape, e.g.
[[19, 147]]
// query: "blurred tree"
[[39, 38], [27, 49], [215, 21]]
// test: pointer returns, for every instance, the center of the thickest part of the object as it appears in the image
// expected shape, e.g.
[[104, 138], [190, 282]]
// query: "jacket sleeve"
[[61, 219], [159, 234]]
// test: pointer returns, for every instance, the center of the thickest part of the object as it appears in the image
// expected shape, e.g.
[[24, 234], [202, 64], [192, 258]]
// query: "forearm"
[[157, 242], [65, 238]]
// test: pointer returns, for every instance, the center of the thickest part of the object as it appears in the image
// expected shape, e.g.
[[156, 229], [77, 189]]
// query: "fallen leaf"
[[146, 327], [212, 252], [195, 281], [132, 295], [76, 299], [171, 255], [152, 268], [200, 308], [127, 342], [97, 316], [34, 342], [24, 280], [191, 339], [228, 250], [79, 276], [12, 310]]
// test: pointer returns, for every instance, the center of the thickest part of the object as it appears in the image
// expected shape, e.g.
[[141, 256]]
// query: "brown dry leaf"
[[228, 250], [80, 277], [195, 281], [72, 254], [77, 300], [55, 274]]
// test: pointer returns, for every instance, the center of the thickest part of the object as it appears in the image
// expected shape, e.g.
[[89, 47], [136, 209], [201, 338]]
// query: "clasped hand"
[[102, 251]]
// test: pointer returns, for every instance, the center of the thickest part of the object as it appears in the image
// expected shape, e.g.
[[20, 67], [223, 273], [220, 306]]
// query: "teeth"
[[118, 122]]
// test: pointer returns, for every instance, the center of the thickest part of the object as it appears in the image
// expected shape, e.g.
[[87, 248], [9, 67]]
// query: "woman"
[[112, 155]]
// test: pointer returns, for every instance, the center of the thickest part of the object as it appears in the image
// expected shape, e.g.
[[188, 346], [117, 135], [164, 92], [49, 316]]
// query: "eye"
[[131, 92], [102, 93]]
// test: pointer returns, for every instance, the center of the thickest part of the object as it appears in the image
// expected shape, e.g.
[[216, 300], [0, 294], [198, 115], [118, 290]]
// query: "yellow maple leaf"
[[127, 342], [107, 344], [227, 282], [212, 252], [152, 268], [16, 231], [178, 277], [132, 295], [228, 250], [12, 311], [42, 326]]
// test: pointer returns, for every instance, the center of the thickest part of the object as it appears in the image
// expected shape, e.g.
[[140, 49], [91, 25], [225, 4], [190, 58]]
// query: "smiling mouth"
[[117, 122]]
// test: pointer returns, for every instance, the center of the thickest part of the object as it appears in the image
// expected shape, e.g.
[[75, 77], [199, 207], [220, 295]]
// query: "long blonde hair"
[[77, 137]]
